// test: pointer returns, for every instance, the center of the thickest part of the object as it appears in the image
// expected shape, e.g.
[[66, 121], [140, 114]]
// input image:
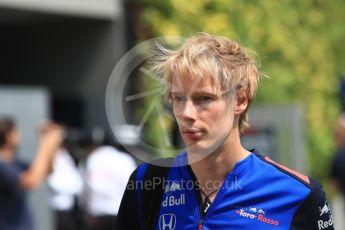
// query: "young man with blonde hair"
[[217, 183]]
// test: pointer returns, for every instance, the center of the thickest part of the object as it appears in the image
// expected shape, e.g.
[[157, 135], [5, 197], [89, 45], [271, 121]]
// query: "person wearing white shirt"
[[66, 184], [107, 173]]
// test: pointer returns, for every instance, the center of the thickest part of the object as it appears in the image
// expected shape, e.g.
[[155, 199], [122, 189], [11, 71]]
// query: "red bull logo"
[[173, 201], [325, 210]]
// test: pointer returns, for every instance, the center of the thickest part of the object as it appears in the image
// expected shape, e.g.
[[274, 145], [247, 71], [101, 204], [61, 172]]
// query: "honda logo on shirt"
[[167, 222]]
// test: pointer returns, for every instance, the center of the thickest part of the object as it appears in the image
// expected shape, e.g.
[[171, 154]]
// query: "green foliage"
[[156, 121], [300, 44]]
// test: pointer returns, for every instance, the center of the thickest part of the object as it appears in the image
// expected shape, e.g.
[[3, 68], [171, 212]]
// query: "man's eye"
[[177, 98], [204, 99]]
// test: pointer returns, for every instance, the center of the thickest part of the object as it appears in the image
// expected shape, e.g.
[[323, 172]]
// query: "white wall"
[[107, 9], [288, 124], [338, 208], [28, 106]]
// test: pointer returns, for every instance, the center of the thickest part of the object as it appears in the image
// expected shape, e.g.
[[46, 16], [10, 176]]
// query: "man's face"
[[205, 114], [13, 138]]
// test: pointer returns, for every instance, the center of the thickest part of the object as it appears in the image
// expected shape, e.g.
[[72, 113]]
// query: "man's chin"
[[198, 151]]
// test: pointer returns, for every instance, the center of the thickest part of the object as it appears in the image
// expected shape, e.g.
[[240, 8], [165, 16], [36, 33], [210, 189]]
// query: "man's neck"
[[7, 153], [213, 169]]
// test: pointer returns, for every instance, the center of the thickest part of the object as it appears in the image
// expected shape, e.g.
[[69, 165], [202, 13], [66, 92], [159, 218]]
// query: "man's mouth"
[[193, 134]]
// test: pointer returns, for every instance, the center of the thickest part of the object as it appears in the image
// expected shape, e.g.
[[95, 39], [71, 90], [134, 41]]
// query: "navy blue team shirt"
[[14, 211], [257, 194]]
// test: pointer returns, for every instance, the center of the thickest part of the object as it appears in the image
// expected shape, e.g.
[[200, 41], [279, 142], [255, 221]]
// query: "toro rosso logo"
[[258, 215], [260, 211]]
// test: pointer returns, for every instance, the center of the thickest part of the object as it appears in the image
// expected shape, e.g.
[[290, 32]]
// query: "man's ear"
[[241, 103]]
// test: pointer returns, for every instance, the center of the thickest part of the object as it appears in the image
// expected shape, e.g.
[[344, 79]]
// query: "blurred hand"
[[51, 136], [50, 140]]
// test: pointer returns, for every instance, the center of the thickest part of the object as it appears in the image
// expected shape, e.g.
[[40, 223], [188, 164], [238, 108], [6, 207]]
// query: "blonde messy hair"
[[205, 55]]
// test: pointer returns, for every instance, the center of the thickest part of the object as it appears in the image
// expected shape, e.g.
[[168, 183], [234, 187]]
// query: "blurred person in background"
[[16, 177], [107, 172], [66, 184], [338, 163]]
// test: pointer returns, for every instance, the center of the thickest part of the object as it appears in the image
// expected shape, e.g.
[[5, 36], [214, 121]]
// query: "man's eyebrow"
[[175, 92], [203, 92], [196, 93]]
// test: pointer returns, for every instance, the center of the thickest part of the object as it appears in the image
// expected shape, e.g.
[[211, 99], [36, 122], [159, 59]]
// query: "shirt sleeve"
[[128, 215], [314, 212]]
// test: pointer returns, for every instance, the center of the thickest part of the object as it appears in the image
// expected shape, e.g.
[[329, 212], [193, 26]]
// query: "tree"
[[299, 43]]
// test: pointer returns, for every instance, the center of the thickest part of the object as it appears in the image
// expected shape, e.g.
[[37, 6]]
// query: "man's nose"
[[189, 110]]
